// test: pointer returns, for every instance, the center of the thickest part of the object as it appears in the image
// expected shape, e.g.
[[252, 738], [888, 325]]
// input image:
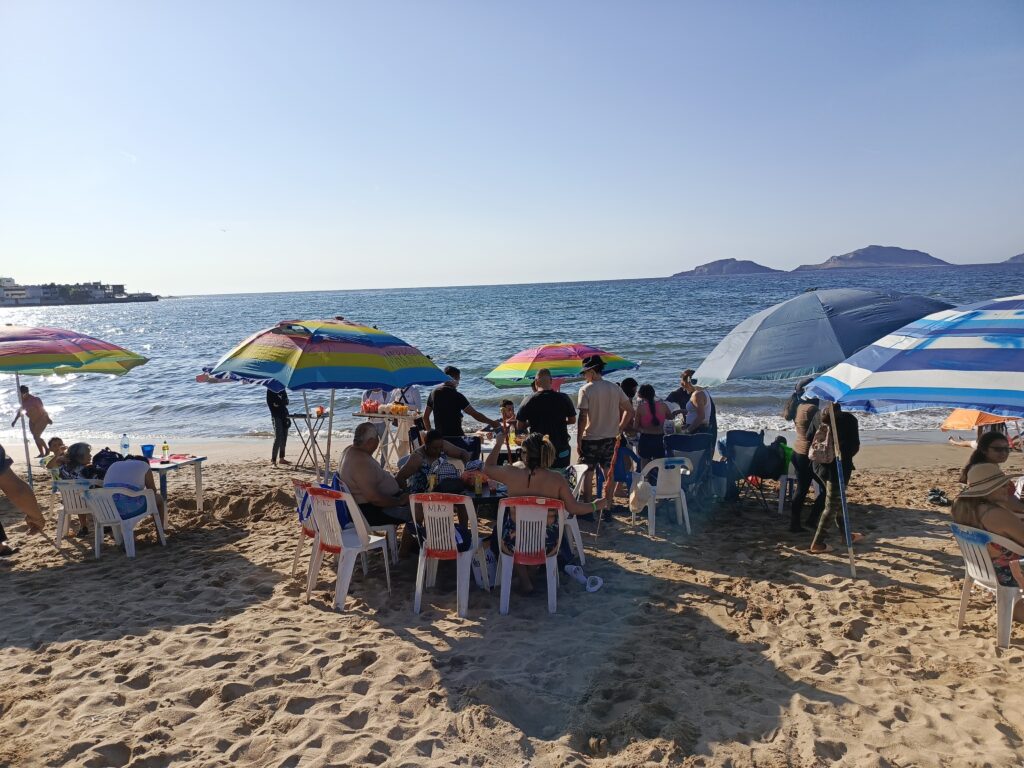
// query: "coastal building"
[[14, 295]]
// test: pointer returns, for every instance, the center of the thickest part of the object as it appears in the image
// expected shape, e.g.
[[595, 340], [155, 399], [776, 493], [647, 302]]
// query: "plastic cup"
[[147, 450]]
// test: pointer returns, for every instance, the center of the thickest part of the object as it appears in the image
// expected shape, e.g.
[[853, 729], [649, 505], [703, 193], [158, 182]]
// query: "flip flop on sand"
[[824, 548], [594, 583]]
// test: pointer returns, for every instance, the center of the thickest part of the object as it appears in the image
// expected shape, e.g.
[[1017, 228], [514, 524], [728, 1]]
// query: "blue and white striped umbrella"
[[967, 357]]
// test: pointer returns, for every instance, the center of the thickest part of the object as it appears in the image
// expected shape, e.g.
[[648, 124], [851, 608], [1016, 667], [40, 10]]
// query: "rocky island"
[[878, 256], [727, 267]]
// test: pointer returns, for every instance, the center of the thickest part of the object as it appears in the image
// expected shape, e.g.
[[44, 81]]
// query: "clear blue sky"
[[202, 147]]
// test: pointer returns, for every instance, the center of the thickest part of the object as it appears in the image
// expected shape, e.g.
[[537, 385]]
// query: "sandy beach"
[[729, 647]]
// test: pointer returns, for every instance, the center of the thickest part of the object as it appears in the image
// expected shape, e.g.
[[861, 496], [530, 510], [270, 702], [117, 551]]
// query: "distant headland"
[[870, 257], [727, 267], [55, 294]]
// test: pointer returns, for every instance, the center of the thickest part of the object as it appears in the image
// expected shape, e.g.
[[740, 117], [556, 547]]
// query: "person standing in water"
[[38, 419]]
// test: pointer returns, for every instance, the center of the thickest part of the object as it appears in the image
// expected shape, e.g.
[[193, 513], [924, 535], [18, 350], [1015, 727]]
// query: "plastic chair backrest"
[[531, 516], [104, 508], [72, 495], [325, 513], [699, 449], [303, 504], [576, 472], [670, 474], [438, 519], [973, 543]]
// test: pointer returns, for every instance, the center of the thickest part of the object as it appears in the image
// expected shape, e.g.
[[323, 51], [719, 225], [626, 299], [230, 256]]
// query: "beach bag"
[[822, 451], [639, 495]]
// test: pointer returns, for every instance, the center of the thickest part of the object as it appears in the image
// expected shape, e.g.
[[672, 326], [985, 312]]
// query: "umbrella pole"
[[842, 492], [24, 431], [330, 430]]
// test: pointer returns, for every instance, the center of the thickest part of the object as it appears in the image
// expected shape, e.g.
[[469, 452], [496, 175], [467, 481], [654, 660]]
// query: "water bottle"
[[125, 445], [165, 451]]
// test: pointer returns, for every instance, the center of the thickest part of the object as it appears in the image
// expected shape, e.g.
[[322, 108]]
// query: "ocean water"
[[668, 324]]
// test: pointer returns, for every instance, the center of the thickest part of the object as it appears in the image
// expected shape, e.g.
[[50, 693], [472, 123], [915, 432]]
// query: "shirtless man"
[[375, 490], [38, 418]]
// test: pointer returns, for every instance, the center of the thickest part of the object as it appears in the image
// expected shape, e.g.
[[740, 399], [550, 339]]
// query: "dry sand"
[[728, 647]]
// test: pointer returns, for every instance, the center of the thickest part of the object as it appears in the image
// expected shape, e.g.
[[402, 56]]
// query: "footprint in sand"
[[355, 665]]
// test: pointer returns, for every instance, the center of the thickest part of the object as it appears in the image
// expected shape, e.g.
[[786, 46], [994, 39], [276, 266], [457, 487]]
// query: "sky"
[[211, 147]]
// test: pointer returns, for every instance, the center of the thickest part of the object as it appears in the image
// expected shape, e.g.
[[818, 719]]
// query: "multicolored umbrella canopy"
[[325, 354], [565, 361], [810, 333], [46, 351], [966, 357]]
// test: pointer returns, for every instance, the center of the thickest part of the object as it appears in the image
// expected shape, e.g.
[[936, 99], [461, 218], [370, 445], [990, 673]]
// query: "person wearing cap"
[[604, 412], [982, 504]]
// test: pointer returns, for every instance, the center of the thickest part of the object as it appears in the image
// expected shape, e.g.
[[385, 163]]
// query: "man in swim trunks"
[[605, 411], [38, 418], [20, 494]]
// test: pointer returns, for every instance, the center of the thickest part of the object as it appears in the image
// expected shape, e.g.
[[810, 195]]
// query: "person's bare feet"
[[283, 460], [819, 549]]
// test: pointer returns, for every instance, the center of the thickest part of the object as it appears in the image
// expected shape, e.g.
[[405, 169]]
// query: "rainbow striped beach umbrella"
[[325, 354], [47, 351], [967, 357], [565, 361], [28, 351]]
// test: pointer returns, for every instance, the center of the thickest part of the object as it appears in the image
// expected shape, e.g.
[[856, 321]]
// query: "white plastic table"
[[173, 465], [389, 442]]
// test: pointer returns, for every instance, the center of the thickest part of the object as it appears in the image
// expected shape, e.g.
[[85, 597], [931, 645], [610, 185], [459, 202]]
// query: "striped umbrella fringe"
[[966, 357]]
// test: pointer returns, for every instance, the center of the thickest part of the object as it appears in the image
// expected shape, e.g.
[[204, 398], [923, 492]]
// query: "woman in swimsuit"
[[536, 479]]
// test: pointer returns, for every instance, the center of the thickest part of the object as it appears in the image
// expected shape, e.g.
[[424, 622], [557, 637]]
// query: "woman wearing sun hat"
[[981, 505]]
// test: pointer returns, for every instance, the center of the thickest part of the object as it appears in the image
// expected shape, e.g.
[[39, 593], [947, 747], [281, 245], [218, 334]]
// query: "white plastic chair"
[[105, 514], [72, 502], [981, 572], [390, 532], [531, 517], [669, 486], [307, 529], [785, 481], [346, 543], [437, 517], [576, 537]]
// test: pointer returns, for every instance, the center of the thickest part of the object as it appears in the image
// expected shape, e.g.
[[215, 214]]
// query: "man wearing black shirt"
[[549, 413], [446, 404], [277, 402]]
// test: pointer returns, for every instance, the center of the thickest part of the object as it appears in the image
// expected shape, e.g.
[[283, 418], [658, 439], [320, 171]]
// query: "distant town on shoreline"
[[871, 257], [54, 294]]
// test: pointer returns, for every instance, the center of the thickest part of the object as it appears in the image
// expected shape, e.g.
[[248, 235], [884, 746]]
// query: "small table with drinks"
[[172, 462], [397, 419]]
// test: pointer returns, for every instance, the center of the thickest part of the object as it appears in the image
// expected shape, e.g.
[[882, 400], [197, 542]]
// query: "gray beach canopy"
[[810, 333]]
